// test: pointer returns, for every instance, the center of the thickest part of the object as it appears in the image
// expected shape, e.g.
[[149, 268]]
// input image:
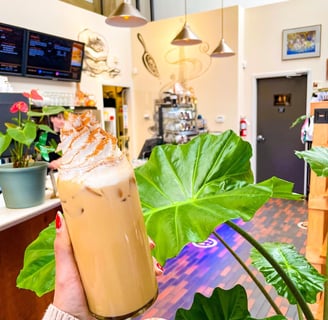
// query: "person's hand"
[[54, 164], [158, 268], [69, 293]]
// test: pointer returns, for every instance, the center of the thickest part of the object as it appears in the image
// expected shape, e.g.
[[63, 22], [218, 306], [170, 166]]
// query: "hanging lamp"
[[186, 37], [222, 50], [126, 16]]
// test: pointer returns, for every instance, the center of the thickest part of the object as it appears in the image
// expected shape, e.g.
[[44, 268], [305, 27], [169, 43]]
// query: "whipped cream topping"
[[85, 144]]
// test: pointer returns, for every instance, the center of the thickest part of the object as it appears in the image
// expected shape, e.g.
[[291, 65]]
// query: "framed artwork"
[[300, 43]]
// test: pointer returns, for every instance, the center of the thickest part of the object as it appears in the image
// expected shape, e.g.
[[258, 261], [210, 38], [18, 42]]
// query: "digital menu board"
[[12, 41], [30, 53], [52, 57]]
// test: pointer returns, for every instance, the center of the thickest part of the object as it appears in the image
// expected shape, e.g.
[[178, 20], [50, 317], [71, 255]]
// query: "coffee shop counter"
[[18, 228], [11, 217]]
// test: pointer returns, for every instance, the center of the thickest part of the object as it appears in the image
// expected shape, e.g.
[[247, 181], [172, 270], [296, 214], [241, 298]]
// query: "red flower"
[[33, 95], [19, 106]]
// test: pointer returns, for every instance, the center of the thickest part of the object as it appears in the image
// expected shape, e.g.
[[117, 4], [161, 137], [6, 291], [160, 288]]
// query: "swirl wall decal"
[[96, 55]]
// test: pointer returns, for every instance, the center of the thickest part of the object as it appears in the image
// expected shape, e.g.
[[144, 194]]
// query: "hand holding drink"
[[102, 210]]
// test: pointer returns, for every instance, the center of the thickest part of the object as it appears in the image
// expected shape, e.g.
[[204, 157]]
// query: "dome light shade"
[[222, 50], [186, 37], [126, 16]]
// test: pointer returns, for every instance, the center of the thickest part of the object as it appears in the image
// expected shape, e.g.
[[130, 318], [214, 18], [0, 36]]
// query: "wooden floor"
[[201, 268]]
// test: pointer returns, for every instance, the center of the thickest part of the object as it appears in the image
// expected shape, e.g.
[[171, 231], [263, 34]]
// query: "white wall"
[[223, 86], [227, 87], [62, 19], [263, 43], [214, 81], [164, 9]]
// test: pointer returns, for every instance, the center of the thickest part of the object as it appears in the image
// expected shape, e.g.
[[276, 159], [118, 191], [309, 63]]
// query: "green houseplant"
[[22, 131], [23, 179], [317, 158], [186, 191]]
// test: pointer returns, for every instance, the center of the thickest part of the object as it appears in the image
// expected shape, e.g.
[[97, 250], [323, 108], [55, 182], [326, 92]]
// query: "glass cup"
[[103, 214]]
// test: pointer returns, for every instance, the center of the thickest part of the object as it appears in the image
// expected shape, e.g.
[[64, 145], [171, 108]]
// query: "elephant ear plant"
[[317, 158], [186, 192]]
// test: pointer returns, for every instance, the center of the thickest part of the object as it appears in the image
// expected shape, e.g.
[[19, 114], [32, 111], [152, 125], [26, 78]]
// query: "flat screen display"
[[12, 41], [52, 57]]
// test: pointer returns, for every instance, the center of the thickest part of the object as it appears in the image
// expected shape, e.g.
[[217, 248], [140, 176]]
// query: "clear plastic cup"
[[103, 214]]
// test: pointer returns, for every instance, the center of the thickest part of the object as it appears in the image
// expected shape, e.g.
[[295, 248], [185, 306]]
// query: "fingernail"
[[58, 220], [151, 244], [159, 267]]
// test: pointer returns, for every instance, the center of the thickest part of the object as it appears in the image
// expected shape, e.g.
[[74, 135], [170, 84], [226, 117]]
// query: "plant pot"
[[23, 187]]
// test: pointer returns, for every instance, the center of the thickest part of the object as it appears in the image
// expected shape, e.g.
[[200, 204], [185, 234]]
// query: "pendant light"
[[186, 37], [126, 16], [222, 50]]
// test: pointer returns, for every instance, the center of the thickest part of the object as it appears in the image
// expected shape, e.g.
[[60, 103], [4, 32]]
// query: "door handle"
[[260, 138]]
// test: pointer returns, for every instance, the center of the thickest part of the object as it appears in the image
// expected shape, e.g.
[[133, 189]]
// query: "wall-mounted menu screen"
[[52, 57], [12, 41]]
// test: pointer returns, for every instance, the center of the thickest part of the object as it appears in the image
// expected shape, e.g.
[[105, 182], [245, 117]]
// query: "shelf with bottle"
[[176, 123]]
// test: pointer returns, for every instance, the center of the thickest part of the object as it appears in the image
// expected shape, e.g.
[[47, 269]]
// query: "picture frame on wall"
[[301, 43]]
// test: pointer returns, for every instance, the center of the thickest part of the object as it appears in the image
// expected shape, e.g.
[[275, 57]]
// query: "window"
[[104, 7]]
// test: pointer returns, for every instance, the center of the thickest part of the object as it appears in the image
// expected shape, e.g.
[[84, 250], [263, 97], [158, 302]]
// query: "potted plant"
[[186, 191], [22, 181]]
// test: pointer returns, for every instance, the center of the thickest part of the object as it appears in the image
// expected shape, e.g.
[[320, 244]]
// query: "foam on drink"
[[101, 205]]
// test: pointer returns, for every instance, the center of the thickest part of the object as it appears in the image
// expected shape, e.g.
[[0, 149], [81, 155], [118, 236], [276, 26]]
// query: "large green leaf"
[[306, 278], [45, 128], [280, 188], [5, 140], [317, 157], [38, 273], [47, 111], [300, 119], [24, 135], [221, 305], [187, 190]]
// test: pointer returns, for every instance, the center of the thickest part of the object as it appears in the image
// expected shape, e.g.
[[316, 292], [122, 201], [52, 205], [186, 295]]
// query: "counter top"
[[11, 217]]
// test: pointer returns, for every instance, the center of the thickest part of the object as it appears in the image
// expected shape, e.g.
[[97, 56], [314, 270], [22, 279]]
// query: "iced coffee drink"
[[101, 206]]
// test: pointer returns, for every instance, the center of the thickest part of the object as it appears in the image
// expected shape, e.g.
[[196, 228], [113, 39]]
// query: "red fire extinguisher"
[[243, 127]]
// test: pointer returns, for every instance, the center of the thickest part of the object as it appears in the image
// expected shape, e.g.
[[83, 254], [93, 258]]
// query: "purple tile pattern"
[[201, 269]]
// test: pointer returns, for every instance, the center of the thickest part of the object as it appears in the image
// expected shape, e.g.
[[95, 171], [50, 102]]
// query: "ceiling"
[[163, 9], [171, 8]]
